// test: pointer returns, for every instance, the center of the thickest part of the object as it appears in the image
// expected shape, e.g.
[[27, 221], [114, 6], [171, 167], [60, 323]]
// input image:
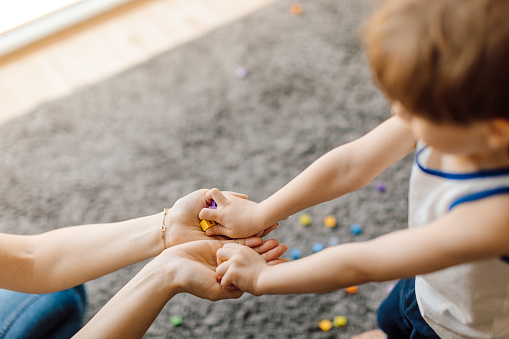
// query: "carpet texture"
[[133, 144]]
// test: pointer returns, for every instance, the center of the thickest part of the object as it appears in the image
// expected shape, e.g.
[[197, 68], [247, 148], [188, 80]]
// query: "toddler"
[[444, 65]]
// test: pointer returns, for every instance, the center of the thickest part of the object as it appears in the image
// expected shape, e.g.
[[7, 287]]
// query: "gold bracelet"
[[163, 228]]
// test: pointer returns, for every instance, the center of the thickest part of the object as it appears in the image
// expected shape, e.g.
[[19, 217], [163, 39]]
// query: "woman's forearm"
[[70, 256], [132, 310]]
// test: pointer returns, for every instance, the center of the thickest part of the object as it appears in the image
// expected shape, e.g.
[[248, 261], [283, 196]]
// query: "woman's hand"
[[192, 270], [192, 267]]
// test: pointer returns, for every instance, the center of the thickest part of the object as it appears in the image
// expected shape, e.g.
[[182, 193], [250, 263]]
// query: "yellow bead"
[[339, 321], [325, 325], [330, 221], [305, 219], [206, 224]]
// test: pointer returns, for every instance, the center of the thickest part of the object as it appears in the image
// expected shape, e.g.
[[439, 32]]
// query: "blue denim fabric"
[[399, 316], [56, 315]]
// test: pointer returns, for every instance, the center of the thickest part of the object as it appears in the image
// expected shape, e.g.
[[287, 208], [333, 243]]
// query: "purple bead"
[[213, 205], [381, 187], [241, 72]]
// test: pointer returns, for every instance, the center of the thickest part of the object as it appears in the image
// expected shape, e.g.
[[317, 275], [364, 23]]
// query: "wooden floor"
[[105, 45]]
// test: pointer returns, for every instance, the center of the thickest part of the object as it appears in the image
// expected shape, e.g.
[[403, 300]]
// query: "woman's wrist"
[[164, 228], [159, 228], [163, 275], [164, 222]]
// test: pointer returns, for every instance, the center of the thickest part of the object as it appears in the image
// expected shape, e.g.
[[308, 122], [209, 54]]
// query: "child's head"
[[443, 60]]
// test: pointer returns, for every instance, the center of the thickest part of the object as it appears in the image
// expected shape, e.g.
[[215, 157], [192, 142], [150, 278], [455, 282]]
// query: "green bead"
[[176, 320]]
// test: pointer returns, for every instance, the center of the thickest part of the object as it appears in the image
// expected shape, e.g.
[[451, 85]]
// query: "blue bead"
[[295, 253], [318, 247], [333, 241], [356, 229]]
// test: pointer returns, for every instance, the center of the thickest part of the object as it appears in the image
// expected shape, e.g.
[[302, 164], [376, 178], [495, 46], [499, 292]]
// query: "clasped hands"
[[191, 260]]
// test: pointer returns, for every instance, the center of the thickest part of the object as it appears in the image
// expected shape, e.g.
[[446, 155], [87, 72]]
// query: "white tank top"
[[469, 300]]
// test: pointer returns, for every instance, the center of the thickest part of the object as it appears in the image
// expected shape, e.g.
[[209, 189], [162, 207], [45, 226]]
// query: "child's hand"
[[240, 268], [184, 224], [236, 217]]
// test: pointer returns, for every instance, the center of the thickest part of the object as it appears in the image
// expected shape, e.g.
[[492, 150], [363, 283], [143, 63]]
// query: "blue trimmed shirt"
[[469, 300]]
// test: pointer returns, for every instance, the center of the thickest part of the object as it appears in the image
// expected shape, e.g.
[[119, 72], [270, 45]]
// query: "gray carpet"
[[133, 144]]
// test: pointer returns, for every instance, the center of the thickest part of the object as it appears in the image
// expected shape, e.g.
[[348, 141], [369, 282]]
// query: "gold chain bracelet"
[[163, 228]]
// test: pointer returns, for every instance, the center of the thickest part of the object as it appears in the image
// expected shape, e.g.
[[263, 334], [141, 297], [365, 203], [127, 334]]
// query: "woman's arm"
[[69, 256], [183, 268]]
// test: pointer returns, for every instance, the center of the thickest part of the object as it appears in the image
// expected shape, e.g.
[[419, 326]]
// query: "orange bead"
[[330, 221], [325, 325], [296, 9], [352, 289]]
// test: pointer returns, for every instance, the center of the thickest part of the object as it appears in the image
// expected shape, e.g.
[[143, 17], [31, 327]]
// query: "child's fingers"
[[216, 195], [222, 262], [234, 290], [208, 214], [221, 268], [226, 281], [225, 253], [218, 229]]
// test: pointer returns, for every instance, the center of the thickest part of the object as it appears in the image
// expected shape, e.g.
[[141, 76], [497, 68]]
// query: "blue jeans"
[[56, 315], [399, 316]]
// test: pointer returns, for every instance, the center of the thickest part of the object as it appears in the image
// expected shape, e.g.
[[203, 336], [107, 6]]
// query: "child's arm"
[[342, 170], [471, 231]]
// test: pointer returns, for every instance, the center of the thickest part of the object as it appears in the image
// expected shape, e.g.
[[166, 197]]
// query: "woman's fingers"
[[277, 261], [249, 242], [235, 194], [269, 229], [271, 250]]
